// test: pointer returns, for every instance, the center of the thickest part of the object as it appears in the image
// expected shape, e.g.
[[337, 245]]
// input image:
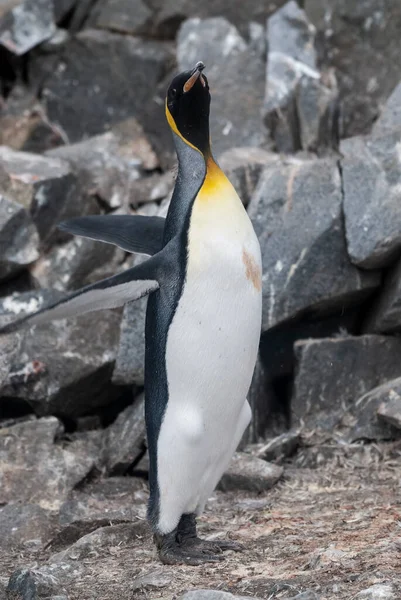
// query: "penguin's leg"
[[187, 537], [172, 551]]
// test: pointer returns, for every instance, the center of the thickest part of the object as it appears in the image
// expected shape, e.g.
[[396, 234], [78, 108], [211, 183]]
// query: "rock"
[[101, 79], [170, 13], [390, 117], [9, 348], [243, 167], [278, 448], [153, 188], [210, 595], [249, 473], [382, 400], [305, 270], [26, 24], [379, 591], [152, 580], [46, 187], [109, 165], [385, 314], [124, 16], [70, 266], [307, 595], [33, 467], [44, 583], [62, 8], [124, 440], [19, 239], [299, 107], [235, 71], [77, 356], [340, 455], [371, 176], [101, 540], [352, 366], [23, 524], [360, 40]]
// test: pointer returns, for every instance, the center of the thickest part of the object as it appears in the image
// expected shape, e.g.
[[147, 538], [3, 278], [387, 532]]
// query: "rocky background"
[[306, 122]]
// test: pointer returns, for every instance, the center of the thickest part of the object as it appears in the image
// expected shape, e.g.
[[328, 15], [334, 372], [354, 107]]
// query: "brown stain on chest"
[[252, 271]]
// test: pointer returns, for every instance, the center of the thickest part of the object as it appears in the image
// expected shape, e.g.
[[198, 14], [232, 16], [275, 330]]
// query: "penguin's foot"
[[171, 552], [187, 537]]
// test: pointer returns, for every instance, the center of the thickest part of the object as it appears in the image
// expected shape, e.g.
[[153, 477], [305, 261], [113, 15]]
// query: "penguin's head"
[[188, 106]]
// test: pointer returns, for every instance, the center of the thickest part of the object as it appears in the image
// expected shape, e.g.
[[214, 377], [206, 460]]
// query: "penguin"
[[203, 324]]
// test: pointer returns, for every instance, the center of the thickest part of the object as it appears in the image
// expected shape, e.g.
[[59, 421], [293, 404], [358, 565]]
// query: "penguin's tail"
[[112, 292]]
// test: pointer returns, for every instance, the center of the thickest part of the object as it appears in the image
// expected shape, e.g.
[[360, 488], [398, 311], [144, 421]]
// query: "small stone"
[[306, 270], [125, 438], [379, 591], [368, 425], [249, 473], [46, 187], [243, 167], [390, 410], [21, 523], [352, 366], [280, 447], [371, 172], [236, 73], [19, 240], [211, 595], [149, 581], [26, 24], [307, 595], [47, 581], [34, 467]]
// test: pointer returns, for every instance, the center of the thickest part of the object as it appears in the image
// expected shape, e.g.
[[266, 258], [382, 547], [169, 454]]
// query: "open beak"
[[196, 73]]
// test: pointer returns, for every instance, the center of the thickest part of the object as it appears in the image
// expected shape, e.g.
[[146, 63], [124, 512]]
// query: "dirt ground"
[[335, 529]]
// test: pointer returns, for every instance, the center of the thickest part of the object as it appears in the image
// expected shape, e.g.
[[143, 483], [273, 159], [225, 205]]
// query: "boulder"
[[371, 172], [34, 467], [109, 165], [103, 78], [389, 411], [19, 239], [378, 413], [246, 472], [24, 524], [26, 23], [390, 116], [352, 366], [46, 187], [235, 71], [360, 40], [243, 166], [305, 269], [76, 357], [132, 17], [385, 314], [299, 104], [124, 440]]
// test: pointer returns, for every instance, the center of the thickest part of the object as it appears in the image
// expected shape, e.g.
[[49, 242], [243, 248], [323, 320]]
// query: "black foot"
[[171, 552], [187, 537]]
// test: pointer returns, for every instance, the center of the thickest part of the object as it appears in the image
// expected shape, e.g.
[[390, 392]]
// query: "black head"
[[188, 105]]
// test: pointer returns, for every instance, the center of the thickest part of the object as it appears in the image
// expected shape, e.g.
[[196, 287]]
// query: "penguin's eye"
[[173, 93]]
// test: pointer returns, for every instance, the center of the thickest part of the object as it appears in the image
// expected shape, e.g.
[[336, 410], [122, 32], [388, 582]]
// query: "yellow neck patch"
[[215, 184]]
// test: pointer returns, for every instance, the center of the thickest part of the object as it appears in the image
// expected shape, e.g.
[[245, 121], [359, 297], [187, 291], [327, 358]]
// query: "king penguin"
[[203, 324]]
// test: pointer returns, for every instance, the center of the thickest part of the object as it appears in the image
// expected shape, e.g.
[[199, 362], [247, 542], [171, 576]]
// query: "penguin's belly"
[[211, 351]]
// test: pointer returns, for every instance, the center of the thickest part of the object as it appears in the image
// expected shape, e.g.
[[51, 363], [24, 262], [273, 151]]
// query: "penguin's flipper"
[[112, 292], [133, 233]]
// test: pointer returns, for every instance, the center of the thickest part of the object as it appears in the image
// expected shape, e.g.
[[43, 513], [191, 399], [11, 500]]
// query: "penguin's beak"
[[196, 73]]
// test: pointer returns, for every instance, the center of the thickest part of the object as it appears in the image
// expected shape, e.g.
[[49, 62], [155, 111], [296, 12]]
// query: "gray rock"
[[125, 16], [77, 356], [21, 524], [379, 591], [249, 473], [117, 535], [210, 595], [390, 117], [382, 399], [360, 40], [385, 314], [153, 580], [278, 448], [109, 165], [235, 71], [298, 106], [62, 8], [243, 167], [19, 239], [70, 266], [9, 348], [153, 188], [101, 79], [46, 187], [307, 595], [352, 366], [304, 268], [34, 468], [26, 24], [371, 176], [125, 438], [44, 583]]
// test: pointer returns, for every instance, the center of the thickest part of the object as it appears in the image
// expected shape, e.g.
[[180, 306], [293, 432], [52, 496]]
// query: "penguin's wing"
[[108, 293], [133, 233]]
